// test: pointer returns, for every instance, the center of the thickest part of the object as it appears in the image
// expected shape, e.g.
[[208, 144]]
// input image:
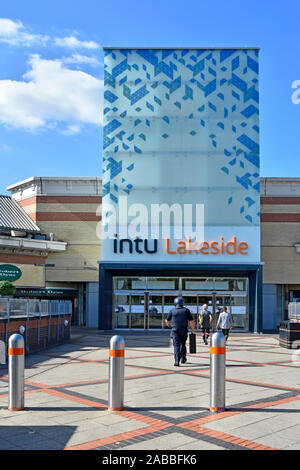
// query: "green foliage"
[[7, 288]]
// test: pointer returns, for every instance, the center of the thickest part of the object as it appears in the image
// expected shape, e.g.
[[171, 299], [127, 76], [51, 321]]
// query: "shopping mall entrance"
[[143, 303]]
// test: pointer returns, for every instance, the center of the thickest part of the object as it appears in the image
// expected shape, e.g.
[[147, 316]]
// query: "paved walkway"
[[66, 395]]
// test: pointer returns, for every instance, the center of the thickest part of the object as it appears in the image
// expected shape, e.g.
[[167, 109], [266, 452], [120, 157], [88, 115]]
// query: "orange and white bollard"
[[217, 372], [16, 363], [116, 373]]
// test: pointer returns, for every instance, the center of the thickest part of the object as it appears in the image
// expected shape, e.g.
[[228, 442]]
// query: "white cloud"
[[9, 28], [82, 59], [14, 33], [72, 42], [51, 95]]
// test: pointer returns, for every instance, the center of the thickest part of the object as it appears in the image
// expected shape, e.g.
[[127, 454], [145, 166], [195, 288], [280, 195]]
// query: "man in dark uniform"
[[178, 319]]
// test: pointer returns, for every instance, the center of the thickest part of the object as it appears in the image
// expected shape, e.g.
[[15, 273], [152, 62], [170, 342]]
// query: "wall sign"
[[9, 272]]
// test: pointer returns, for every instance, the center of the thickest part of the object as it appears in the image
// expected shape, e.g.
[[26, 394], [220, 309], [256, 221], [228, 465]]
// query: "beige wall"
[[278, 239], [79, 262], [31, 276]]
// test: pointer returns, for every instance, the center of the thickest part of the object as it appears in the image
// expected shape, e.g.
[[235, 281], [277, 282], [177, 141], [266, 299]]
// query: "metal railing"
[[25, 308]]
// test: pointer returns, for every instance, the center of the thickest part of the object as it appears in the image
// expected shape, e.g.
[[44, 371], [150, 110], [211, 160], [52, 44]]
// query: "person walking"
[[205, 320], [179, 318], [225, 322]]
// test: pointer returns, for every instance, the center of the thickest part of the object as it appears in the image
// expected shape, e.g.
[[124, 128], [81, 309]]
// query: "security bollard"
[[16, 372], [217, 372], [116, 374]]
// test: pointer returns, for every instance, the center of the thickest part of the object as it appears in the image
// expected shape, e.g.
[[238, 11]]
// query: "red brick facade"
[[40, 333]]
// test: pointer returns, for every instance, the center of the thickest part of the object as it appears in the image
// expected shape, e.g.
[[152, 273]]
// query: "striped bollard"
[[16, 372], [217, 372], [116, 374]]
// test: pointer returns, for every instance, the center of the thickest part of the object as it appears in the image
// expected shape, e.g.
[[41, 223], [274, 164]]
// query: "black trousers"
[[205, 331], [179, 341], [225, 333]]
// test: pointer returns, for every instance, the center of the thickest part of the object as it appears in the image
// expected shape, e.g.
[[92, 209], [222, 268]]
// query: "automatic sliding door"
[[168, 305], [138, 311], [190, 302], [122, 309], [237, 306], [155, 307], [239, 312]]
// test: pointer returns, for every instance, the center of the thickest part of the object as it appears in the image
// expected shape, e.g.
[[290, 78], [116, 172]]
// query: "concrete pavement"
[[66, 392]]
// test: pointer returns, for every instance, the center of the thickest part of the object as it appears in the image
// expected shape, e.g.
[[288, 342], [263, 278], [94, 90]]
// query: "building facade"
[[66, 213], [181, 185], [280, 258], [280, 237]]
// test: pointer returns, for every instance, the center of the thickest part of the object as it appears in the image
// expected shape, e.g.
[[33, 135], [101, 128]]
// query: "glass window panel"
[[231, 284], [155, 312], [222, 285], [162, 283], [169, 302], [139, 283], [190, 302], [197, 283], [130, 283], [137, 303], [121, 309], [239, 311]]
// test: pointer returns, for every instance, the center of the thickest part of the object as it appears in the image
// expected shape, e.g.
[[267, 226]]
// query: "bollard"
[[116, 374], [16, 373], [217, 372]]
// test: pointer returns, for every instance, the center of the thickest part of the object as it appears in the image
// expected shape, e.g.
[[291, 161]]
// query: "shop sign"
[[9, 272], [32, 292]]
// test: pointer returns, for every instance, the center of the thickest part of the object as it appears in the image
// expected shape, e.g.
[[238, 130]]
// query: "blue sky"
[[51, 74]]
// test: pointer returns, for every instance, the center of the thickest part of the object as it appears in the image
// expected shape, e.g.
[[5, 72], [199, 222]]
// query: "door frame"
[[212, 295]]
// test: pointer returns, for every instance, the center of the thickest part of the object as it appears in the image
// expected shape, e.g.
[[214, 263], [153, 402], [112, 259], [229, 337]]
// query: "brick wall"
[[40, 333]]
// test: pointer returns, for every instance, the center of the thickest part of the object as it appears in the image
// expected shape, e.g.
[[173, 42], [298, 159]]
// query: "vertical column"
[[217, 372], [116, 373], [16, 373]]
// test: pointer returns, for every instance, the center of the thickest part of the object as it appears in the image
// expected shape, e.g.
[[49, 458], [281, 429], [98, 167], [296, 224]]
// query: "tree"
[[7, 288]]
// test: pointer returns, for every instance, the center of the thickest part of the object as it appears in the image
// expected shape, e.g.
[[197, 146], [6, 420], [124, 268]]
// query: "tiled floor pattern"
[[165, 407]]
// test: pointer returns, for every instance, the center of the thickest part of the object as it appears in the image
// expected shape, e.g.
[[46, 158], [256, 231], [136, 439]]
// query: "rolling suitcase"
[[192, 338]]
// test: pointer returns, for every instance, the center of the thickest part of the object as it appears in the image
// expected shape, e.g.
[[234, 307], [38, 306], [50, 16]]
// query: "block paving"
[[166, 408]]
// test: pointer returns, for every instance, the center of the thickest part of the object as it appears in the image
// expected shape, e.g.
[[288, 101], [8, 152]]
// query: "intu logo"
[[138, 245]]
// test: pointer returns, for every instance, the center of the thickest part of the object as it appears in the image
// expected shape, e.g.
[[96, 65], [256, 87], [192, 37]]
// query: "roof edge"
[[184, 48]]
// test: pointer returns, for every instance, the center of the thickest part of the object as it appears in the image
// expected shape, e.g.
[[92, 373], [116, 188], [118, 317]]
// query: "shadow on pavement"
[[168, 408], [263, 410], [35, 437]]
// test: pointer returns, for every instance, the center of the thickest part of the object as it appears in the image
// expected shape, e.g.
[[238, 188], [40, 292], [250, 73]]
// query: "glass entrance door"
[[137, 312], [122, 311], [154, 311], [142, 306], [236, 304]]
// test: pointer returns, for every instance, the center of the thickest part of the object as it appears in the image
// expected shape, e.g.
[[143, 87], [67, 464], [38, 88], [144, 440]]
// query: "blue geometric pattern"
[[213, 97]]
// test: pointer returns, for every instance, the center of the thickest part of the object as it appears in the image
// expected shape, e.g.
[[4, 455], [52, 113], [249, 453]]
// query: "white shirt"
[[224, 321]]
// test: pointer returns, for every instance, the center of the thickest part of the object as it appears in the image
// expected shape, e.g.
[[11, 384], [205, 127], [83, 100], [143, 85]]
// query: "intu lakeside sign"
[[9, 272], [182, 247]]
